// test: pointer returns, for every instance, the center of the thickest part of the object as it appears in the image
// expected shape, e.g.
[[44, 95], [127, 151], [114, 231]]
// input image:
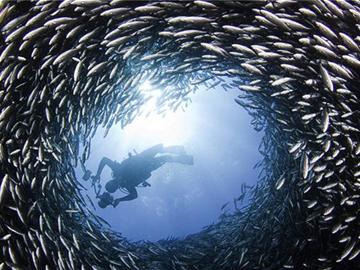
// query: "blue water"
[[182, 198]]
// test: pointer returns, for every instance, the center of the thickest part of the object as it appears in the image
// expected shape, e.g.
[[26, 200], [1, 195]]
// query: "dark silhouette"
[[136, 169]]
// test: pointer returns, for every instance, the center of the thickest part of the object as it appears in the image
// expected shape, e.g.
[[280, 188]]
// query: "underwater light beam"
[[168, 128], [151, 96]]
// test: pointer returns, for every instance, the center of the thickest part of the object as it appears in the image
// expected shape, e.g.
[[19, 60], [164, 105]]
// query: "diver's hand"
[[96, 178], [115, 203]]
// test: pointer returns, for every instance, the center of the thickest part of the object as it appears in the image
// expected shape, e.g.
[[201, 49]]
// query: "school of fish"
[[69, 67]]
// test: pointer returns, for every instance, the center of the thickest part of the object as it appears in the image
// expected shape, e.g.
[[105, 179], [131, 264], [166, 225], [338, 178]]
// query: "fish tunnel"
[[68, 67], [182, 198]]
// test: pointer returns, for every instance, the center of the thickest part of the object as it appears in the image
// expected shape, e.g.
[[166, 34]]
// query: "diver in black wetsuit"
[[136, 169]]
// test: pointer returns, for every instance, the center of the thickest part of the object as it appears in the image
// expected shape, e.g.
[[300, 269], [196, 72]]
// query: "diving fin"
[[175, 149]]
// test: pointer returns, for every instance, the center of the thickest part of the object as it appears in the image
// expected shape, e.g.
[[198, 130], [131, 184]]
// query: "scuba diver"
[[136, 169]]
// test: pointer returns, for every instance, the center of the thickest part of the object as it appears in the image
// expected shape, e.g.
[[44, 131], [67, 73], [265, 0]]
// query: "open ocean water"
[[182, 198]]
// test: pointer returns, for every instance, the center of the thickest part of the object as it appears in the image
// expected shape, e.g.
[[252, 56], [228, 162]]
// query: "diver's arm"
[[131, 196], [146, 184], [103, 162]]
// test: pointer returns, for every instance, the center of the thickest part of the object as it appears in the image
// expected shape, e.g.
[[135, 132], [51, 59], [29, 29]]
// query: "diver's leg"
[[157, 162], [152, 151], [183, 159], [175, 149], [159, 148]]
